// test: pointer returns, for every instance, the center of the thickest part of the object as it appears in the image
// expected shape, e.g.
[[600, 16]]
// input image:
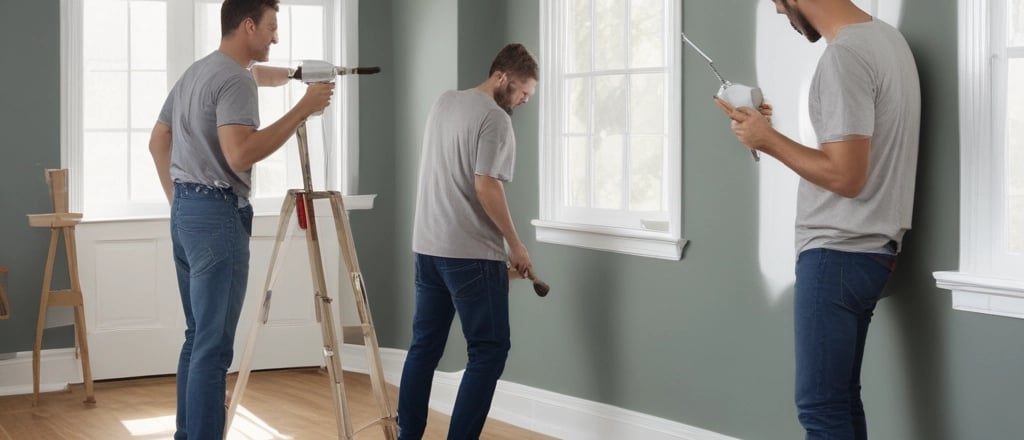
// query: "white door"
[[133, 310]]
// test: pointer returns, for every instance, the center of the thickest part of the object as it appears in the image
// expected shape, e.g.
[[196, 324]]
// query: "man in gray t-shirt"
[[854, 202], [459, 234], [204, 145]]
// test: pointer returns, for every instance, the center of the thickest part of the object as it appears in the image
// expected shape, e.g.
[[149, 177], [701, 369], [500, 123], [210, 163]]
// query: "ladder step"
[[64, 298]]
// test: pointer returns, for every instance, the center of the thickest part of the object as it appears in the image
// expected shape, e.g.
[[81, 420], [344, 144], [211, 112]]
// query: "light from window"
[[125, 75], [991, 54], [614, 137], [127, 51], [610, 127], [1015, 154]]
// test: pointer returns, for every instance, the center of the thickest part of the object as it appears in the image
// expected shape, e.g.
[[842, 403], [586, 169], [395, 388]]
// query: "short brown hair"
[[234, 12], [515, 60]]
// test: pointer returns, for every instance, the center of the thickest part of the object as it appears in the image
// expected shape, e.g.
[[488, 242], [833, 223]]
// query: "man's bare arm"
[[840, 167], [243, 145], [160, 149], [270, 76], [491, 193]]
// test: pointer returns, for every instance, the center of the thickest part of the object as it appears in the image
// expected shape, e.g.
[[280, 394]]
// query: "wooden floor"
[[282, 404]]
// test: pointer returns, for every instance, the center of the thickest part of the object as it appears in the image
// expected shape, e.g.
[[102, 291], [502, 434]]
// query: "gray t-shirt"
[[866, 85], [214, 91], [467, 134]]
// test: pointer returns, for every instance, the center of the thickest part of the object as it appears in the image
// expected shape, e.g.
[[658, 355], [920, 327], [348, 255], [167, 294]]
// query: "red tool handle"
[[300, 206]]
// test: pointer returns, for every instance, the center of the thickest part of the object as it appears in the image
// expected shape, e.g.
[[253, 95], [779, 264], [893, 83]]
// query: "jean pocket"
[[463, 278], [206, 241], [863, 279]]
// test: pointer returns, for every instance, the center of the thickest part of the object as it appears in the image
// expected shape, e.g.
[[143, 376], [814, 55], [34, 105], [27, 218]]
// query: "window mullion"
[[181, 48], [627, 144], [127, 132]]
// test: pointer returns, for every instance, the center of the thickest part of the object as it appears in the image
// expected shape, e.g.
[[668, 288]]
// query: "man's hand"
[[753, 128], [519, 260], [317, 98]]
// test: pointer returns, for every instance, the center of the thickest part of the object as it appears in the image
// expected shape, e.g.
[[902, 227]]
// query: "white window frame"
[[341, 117], [555, 225], [986, 281]]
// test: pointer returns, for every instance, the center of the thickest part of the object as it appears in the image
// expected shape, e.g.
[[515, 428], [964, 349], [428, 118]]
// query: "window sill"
[[982, 294], [359, 202], [624, 241]]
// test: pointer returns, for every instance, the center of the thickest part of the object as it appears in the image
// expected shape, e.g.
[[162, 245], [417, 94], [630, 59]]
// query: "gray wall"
[[696, 341], [29, 144]]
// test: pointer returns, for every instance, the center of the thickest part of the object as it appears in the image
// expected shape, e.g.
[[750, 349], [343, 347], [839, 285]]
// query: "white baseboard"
[[540, 410], [537, 410], [58, 368]]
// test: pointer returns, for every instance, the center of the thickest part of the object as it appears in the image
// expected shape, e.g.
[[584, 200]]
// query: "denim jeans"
[[834, 300], [478, 291], [210, 235]]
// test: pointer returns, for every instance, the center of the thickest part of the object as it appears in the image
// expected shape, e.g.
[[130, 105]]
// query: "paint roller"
[[737, 95]]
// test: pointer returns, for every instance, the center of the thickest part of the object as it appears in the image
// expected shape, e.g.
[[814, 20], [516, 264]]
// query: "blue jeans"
[[210, 234], [478, 291], [834, 299]]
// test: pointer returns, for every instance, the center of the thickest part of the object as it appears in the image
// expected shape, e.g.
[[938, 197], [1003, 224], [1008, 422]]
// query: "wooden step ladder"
[[61, 222], [301, 201]]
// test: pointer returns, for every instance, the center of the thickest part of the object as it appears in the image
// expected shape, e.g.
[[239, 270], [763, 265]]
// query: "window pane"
[[305, 31], [580, 33], [577, 164], [1015, 206], [148, 35], [104, 158], [610, 34], [144, 183], [610, 104], [105, 98], [577, 106], [647, 104], [608, 169], [1015, 155], [1016, 16], [270, 175], [207, 29], [149, 90], [647, 30], [647, 160], [105, 35]]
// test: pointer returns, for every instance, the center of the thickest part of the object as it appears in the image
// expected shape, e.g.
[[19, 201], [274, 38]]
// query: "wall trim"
[[983, 294], [605, 238], [59, 367], [539, 410]]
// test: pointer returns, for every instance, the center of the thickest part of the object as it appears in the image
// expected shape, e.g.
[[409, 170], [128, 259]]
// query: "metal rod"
[[706, 57]]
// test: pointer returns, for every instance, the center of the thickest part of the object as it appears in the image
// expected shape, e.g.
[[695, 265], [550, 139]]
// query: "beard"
[[805, 27], [503, 96]]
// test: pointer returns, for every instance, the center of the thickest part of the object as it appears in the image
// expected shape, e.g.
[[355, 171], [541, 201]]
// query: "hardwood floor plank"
[[279, 404]]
